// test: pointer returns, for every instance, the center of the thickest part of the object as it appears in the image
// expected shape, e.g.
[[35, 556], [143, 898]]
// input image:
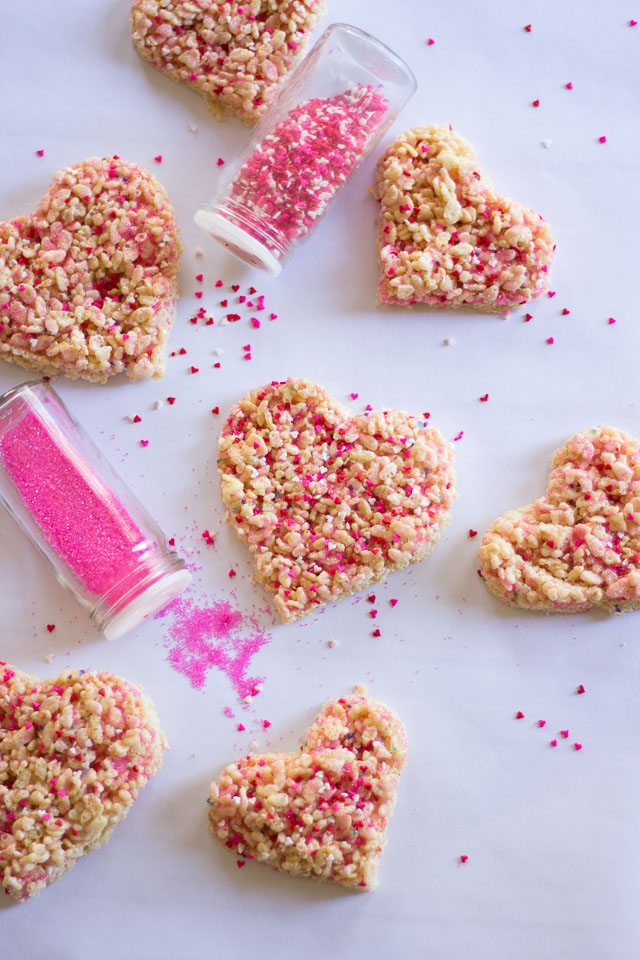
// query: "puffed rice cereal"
[[579, 545], [446, 238], [328, 502], [321, 812], [89, 282], [234, 53], [74, 753]]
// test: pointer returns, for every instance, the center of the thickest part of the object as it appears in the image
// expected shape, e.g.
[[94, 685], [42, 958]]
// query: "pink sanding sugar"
[[87, 526], [296, 171], [202, 637]]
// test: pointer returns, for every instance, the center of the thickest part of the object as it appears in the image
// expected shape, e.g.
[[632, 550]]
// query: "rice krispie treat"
[[321, 812], [89, 282], [74, 753], [235, 53], [328, 502], [579, 545], [446, 238]]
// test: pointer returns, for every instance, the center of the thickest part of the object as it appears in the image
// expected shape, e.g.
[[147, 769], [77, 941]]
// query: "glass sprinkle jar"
[[326, 119], [101, 542]]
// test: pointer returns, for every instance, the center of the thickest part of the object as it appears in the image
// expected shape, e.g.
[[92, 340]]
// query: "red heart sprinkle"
[[472, 534], [463, 858], [171, 400], [371, 598], [536, 103], [215, 410], [581, 689], [519, 715], [376, 633], [158, 159], [484, 398], [51, 627], [232, 573], [541, 723], [172, 542], [194, 370]]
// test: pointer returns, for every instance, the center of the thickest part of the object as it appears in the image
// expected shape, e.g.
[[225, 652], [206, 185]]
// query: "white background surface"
[[551, 835]]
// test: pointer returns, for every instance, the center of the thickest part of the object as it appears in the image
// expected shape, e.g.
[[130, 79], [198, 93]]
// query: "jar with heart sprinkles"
[[328, 116], [101, 542]]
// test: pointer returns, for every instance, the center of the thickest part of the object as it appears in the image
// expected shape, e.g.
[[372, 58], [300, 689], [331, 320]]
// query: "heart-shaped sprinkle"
[[329, 502], [74, 753], [236, 54], [322, 811], [446, 238], [51, 627], [579, 545], [88, 283]]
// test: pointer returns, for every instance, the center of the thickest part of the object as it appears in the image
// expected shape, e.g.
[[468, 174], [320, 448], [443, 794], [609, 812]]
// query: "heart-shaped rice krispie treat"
[[89, 282], [579, 545], [236, 53], [74, 753], [321, 812], [446, 238], [329, 502]]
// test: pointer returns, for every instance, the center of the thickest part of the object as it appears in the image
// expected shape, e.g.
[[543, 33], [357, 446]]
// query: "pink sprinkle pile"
[[294, 173], [215, 635]]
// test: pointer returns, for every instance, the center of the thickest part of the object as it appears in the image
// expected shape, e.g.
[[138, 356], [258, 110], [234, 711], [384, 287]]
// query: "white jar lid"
[[154, 598], [238, 241]]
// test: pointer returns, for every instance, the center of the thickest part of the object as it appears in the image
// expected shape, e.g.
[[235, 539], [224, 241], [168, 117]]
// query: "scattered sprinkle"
[[144, 443], [535, 103], [602, 139], [553, 743], [611, 320], [220, 162], [266, 724], [472, 534], [40, 153], [194, 370], [484, 398], [519, 715], [569, 86], [541, 723], [232, 573], [393, 602], [459, 436], [463, 858], [577, 746], [215, 410], [550, 340], [171, 400], [565, 312], [528, 28], [158, 159], [581, 689], [564, 733], [430, 42], [51, 627]]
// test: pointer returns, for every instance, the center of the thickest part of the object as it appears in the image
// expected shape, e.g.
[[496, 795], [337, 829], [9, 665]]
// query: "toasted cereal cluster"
[[328, 502], [321, 812], [446, 238], [579, 545], [74, 753], [234, 53], [89, 282]]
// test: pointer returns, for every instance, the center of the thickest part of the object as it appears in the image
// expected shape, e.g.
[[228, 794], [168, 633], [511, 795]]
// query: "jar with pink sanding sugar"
[[328, 116], [101, 542]]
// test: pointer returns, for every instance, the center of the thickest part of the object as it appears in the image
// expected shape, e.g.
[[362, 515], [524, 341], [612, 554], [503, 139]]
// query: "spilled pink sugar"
[[87, 526], [203, 637]]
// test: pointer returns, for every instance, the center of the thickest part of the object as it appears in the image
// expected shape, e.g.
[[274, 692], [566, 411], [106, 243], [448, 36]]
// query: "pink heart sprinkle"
[[266, 724], [581, 689], [220, 162], [564, 733], [550, 340], [611, 320], [430, 42], [215, 410], [463, 858], [577, 746], [393, 602], [541, 723], [144, 443], [354, 396], [199, 278], [633, 23], [232, 573], [40, 153], [602, 139], [569, 86], [158, 159], [553, 743], [519, 715], [241, 727], [551, 293]]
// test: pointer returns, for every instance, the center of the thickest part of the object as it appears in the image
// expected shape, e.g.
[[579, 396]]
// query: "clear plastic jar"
[[101, 542], [328, 116]]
